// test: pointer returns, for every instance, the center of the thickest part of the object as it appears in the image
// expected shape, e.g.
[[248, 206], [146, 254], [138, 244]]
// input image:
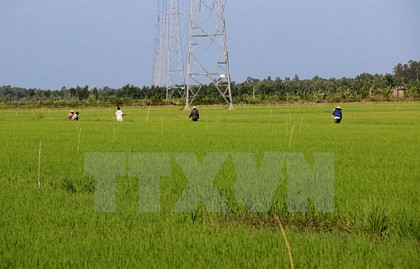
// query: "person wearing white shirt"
[[119, 114]]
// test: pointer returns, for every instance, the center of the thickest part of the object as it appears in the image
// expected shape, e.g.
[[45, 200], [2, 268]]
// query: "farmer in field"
[[194, 114], [76, 116], [337, 114], [119, 114], [70, 115]]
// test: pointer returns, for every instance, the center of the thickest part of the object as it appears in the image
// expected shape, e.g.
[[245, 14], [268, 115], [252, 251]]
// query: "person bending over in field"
[[337, 114], [70, 115], [76, 116], [194, 114], [119, 114]]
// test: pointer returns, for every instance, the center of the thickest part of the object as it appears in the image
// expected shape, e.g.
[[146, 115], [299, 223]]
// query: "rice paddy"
[[48, 198]]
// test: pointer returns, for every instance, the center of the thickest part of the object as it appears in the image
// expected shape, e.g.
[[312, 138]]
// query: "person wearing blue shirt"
[[337, 114]]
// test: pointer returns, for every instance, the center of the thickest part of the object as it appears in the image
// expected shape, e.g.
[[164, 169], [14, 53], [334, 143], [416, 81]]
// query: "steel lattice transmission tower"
[[169, 71], [208, 61]]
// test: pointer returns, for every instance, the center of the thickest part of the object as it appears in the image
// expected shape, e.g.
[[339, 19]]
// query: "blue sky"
[[54, 43]]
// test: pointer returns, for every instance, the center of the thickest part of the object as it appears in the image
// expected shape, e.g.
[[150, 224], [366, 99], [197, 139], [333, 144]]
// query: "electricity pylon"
[[158, 63], [168, 71], [208, 60]]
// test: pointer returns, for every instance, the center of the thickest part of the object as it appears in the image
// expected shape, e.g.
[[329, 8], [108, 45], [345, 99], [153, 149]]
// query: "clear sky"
[[49, 44]]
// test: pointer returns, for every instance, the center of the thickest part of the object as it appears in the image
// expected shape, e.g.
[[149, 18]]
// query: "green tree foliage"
[[362, 87], [407, 73]]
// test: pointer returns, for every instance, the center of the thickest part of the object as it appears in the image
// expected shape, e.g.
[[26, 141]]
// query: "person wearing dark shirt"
[[194, 114]]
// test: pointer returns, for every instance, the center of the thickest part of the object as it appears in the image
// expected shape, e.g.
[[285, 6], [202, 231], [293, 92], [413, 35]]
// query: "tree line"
[[371, 87]]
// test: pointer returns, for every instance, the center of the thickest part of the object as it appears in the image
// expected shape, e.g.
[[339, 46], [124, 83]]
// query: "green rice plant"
[[375, 222], [378, 222]]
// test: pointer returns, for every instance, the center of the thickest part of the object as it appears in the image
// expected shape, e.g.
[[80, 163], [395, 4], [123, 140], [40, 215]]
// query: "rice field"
[[49, 197]]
